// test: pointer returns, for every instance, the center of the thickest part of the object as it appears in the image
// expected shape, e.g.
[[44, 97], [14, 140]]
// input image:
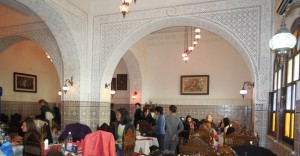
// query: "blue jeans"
[[160, 139]]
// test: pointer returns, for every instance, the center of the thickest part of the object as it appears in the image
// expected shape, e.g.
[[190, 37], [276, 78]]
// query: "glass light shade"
[[59, 93], [133, 96], [243, 91], [197, 36], [197, 30], [112, 92], [195, 42], [191, 48], [65, 88], [282, 41], [186, 58], [184, 55], [127, 1], [124, 8]]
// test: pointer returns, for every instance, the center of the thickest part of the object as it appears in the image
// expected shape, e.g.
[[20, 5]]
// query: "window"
[[283, 96]]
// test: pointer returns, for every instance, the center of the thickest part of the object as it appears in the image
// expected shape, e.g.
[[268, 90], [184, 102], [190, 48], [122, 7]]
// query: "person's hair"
[[159, 109], [138, 104], [30, 125], [173, 108], [188, 116], [226, 121], [43, 101], [125, 119], [145, 109]]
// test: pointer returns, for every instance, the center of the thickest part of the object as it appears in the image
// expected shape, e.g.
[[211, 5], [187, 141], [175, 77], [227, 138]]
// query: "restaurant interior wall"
[[27, 57]]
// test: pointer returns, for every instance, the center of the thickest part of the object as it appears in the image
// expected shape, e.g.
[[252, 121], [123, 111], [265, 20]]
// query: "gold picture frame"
[[25, 82], [194, 85]]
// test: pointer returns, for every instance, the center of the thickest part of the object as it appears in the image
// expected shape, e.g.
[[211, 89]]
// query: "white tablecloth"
[[145, 143]]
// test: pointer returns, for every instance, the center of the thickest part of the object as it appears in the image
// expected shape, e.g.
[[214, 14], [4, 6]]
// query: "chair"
[[4, 118], [100, 143], [44, 129], [15, 124], [128, 143], [252, 150], [78, 131], [246, 138], [195, 146], [229, 140]]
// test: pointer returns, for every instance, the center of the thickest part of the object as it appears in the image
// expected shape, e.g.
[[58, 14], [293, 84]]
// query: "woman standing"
[[122, 124], [173, 127]]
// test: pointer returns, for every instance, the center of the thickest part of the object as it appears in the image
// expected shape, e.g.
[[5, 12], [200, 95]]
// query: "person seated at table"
[[31, 140], [147, 123], [122, 124], [235, 129], [226, 124], [210, 119], [189, 120]]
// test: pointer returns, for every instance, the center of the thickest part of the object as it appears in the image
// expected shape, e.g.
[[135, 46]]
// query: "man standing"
[[173, 127], [160, 127], [137, 114]]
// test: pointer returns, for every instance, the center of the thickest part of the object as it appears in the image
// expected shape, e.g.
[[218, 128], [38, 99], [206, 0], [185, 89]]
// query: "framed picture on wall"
[[121, 81], [25, 82], [113, 84], [194, 85]]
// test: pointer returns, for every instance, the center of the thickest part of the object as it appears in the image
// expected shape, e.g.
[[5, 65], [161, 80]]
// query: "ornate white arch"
[[65, 42]]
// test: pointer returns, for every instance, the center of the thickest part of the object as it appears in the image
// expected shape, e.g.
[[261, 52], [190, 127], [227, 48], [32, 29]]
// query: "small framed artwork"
[[113, 84], [194, 85], [25, 82], [121, 81]]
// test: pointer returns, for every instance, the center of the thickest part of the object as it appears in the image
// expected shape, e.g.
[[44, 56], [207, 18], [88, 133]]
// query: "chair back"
[[100, 143], [128, 143], [229, 140], [78, 131], [246, 138], [195, 146]]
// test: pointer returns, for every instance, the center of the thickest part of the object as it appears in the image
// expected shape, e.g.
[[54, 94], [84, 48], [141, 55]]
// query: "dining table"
[[142, 144]]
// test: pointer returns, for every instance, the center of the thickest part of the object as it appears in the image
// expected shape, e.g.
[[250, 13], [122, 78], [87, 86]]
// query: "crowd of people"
[[167, 128]]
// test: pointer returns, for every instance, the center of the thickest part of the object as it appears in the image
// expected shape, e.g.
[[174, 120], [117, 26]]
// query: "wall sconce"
[[134, 95], [68, 82], [59, 93], [113, 91], [243, 91]]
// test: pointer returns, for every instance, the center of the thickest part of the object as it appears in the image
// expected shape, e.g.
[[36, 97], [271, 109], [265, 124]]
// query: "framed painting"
[[194, 85], [121, 81], [25, 82], [113, 84]]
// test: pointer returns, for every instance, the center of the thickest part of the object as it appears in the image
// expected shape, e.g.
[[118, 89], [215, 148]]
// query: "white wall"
[[27, 57], [213, 56]]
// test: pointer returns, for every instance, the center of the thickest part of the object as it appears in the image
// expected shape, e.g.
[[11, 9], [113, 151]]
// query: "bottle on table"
[[69, 142]]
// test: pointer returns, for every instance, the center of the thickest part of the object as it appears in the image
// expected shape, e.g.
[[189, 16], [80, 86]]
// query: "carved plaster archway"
[[65, 42], [146, 29]]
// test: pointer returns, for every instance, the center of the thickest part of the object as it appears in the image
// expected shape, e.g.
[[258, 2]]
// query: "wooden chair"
[[246, 138], [203, 134], [229, 140], [195, 146], [128, 143]]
